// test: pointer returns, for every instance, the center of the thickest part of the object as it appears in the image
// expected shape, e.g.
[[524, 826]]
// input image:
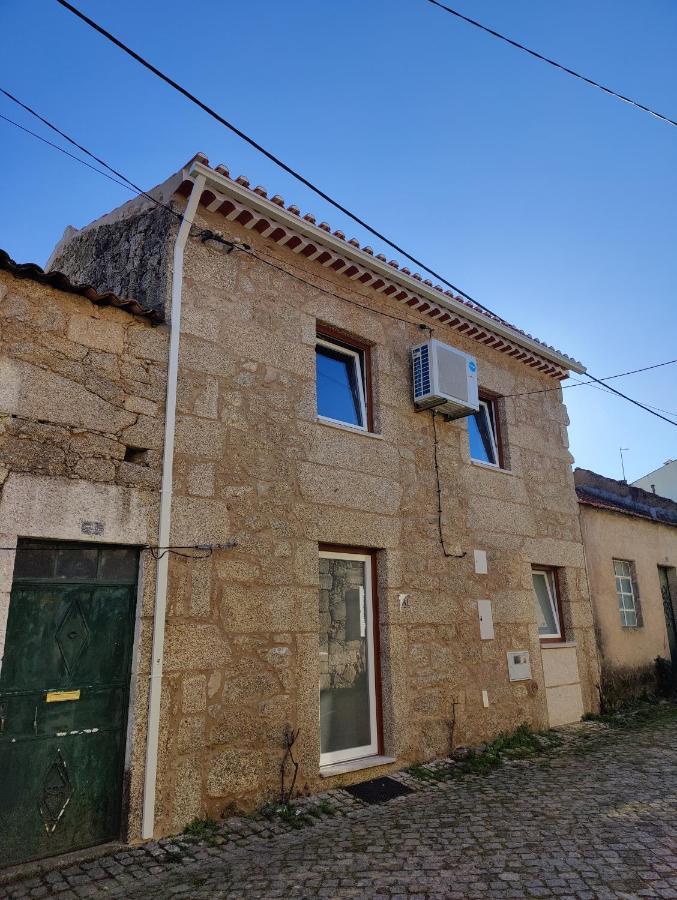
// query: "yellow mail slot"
[[60, 696]]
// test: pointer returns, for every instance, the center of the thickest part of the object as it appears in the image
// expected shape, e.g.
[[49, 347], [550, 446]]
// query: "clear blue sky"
[[548, 201]]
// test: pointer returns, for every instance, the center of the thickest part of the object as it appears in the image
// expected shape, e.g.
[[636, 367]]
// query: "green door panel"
[[60, 635], [64, 694]]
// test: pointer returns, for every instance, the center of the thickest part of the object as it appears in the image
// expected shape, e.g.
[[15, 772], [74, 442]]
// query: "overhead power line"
[[267, 153], [669, 362], [209, 235], [546, 59]]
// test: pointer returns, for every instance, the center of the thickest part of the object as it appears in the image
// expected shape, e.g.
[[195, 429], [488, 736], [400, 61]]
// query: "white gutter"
[[164, 529], [278, 214]]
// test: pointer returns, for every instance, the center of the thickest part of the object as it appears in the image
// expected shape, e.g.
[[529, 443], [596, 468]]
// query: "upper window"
[[483, 434], [341, 388], [548, 615], [626, 592]]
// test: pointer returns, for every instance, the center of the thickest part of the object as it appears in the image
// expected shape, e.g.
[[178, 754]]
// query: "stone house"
[[630, 538], [400, 582]]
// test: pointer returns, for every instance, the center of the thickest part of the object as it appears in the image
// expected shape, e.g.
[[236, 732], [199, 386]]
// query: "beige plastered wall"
[[78, 385], [608, 536], [254, 463]]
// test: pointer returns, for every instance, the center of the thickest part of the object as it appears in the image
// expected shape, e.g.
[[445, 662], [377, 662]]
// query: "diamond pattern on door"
[[57, 791], [72, 635]]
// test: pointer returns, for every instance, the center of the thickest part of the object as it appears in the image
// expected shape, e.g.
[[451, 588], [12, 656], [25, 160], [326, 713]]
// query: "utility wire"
[[271, 156], [66, 152], [126, 183], [551, 62], [209, 235], [669, 362], [604, 390]]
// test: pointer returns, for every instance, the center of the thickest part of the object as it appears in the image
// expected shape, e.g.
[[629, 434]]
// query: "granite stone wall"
[[244, 630]]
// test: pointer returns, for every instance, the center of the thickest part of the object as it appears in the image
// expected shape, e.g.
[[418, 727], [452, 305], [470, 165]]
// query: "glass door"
[[348, 727]]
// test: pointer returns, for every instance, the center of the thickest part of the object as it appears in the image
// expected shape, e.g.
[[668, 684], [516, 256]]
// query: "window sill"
[[341, 427], [557, 645], [483, 465], [354, 765]]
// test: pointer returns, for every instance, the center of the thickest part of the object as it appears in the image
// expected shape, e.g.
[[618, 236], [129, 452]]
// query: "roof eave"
[[247, 197]]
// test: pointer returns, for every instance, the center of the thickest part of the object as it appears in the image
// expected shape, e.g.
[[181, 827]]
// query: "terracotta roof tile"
[[62, 282]]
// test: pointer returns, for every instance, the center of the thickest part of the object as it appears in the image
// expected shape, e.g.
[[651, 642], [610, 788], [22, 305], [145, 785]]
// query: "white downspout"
[[164, 529]]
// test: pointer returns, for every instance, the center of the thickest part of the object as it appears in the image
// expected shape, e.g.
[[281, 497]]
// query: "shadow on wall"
[[622, 686]]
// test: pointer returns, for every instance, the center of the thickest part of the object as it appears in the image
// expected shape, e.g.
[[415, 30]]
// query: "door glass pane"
[[337, 386], [77, 562], [545, 613], [118, 564], [34, 562], [345, 719]]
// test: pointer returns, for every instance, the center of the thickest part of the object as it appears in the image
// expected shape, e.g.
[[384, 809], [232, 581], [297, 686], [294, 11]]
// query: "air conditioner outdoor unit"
[[444, 379]]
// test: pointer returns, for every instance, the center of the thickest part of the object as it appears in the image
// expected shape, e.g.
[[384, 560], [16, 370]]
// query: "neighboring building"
[[353, 608], [630, 538], [661, 481], [82, 388]]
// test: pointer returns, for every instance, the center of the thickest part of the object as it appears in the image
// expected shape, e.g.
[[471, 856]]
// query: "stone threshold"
[[355, 765]]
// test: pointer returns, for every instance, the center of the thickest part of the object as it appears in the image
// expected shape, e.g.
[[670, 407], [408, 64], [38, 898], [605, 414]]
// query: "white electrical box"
[[486, 619], [481, 567], [445, 379], [519, 665]]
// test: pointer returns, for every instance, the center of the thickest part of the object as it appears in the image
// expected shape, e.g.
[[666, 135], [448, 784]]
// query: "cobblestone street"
[[597, 820]]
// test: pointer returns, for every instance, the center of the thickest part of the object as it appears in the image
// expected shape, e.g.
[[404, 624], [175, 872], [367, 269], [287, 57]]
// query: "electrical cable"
[[210, 235], [631, 400], [440, 529], [669, 362], [65, 152], [271, 156], [551, 62]]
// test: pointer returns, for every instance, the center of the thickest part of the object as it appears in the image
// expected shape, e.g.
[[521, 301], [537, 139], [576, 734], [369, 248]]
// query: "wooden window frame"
[[553, 572], [363, 350], [327, 549], [491, 402]]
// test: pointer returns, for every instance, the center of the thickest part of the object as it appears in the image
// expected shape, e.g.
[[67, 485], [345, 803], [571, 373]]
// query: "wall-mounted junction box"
[[486, 620], [519, 665], [480, 562]]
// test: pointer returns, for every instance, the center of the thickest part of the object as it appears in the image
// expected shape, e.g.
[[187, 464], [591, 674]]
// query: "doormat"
[[378, 790]]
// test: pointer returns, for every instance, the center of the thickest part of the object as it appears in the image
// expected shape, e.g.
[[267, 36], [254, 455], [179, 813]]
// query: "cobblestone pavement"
[[598, 820]]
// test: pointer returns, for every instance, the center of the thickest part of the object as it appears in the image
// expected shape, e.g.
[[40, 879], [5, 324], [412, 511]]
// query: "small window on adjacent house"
[[483, 434], [627, 592], [341, 389], [548, 613]]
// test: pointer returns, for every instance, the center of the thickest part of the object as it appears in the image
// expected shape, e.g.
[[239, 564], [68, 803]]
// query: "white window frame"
[[356, 358], [622, 595], [370, 749], [485, 408], [549, 578]]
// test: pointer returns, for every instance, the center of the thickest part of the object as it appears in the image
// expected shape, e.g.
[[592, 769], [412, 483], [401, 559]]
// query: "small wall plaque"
[[95, 528]]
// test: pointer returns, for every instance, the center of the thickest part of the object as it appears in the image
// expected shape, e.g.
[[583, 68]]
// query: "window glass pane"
[[118, 564], [546, 616], [34, 562], [77, 562], [480, 434], [338, 395], [345, 720]]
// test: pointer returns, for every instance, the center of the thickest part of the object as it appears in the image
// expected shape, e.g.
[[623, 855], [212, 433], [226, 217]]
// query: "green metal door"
[[64, 692], [671, 626]]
